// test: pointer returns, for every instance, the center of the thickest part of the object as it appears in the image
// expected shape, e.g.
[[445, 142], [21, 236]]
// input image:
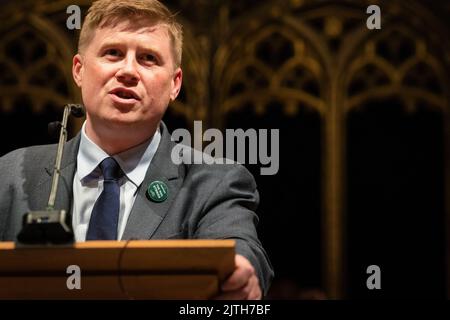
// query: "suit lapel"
[[146, 215]]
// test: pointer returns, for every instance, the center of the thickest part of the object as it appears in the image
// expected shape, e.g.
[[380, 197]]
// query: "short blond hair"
[[107, 12]]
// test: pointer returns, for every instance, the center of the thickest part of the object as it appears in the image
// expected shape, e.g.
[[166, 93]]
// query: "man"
[[118, 179]]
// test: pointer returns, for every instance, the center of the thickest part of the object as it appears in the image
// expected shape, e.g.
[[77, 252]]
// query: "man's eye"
[[149, 57], [112, 52]]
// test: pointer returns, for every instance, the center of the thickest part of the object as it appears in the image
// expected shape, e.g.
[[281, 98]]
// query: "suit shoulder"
[[221, 171], [37, 149], [35, 154]]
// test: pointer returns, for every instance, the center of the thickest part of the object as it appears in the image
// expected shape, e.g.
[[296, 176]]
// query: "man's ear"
[[77, 69], [176, 83]]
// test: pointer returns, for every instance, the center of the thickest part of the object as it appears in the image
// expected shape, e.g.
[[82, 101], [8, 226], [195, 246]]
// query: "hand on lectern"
[[242, 284]]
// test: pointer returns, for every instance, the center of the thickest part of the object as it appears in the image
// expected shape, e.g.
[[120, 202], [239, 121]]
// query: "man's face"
[[127, 76]]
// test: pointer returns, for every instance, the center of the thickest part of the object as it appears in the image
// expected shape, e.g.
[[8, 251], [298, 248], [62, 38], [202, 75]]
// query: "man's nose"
[[128, 71]]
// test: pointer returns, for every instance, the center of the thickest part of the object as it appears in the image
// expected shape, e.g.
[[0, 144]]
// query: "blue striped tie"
[[105, 215]]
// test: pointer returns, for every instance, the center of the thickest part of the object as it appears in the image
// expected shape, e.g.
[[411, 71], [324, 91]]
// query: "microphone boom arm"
[[57, 168]]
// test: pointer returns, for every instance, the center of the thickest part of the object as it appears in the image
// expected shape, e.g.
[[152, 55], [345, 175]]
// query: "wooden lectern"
[[136, 269]]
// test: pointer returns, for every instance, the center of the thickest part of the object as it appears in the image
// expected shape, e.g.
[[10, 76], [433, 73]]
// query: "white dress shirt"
[[88, 180]]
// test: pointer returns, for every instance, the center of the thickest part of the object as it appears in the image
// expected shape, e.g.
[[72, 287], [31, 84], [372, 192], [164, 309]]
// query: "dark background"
[[363, 118]]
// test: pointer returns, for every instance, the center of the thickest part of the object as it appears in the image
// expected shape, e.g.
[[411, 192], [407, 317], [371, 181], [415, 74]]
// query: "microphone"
[[77, 110], [52, 225]]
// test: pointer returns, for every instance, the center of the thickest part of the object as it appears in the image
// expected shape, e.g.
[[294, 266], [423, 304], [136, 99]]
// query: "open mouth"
[[125, 94]]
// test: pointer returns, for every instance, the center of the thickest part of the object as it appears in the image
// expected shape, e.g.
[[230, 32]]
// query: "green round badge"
[[157, 191]]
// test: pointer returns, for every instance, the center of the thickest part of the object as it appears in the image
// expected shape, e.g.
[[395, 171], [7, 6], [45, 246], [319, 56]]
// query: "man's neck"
[[116, 140]]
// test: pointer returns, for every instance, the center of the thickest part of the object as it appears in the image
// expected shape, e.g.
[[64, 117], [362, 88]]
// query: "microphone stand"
[[56, 172], [51, 225]]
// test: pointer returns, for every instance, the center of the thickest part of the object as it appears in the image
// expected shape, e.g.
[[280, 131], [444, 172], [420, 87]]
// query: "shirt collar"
[[134, 162]]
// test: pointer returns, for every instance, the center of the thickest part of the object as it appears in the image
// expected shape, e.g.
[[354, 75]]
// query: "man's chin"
[[120, 115], [122, 121]]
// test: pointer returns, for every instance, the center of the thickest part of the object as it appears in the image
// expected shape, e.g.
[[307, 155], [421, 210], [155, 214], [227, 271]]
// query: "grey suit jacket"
[[204, 202]]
